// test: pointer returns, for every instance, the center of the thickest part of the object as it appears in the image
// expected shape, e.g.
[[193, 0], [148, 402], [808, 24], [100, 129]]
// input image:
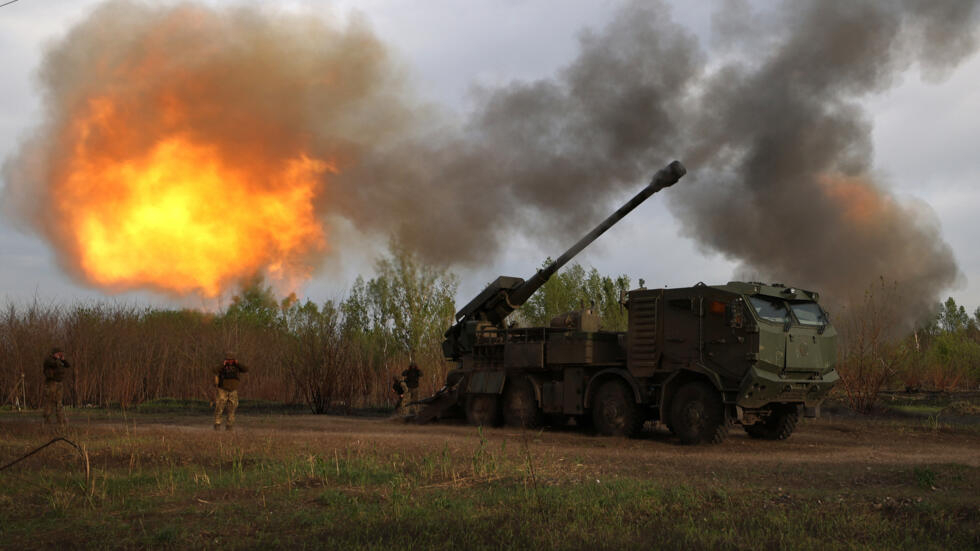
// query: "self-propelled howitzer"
[[507, 294], [696, 360]]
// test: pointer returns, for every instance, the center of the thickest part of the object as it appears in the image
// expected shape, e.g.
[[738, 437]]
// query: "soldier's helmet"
[[413, 364], [56, 350]]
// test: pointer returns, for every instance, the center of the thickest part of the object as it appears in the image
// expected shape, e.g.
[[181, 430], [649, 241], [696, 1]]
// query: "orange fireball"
[[187, 148], [181, 217]]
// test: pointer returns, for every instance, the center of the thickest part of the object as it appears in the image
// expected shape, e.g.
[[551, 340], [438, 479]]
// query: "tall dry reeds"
[[124, 355]]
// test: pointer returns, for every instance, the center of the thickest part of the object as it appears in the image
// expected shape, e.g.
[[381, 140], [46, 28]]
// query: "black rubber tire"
[[615, 411], [520, 404], [483, 410], [778, 426], [697, 415]]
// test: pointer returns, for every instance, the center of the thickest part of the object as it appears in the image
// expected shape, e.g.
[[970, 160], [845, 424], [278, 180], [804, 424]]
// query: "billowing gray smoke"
[[776, 140], [791, 194], [542, 155], [778, 144]]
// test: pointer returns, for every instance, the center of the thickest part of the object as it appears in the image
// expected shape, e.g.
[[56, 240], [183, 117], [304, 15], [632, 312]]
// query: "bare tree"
[[870, 351]]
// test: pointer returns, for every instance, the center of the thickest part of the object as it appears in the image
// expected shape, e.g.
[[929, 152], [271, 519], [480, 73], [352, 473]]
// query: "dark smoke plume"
[[775, 137], [785, 149], [542, 155]]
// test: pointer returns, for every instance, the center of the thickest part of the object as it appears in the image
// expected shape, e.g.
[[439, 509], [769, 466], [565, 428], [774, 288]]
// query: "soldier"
[[412, 376], [55, 367], [226, 377], [398, 386]]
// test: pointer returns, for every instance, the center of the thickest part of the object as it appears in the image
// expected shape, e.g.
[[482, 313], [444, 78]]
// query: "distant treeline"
[[342, 354]]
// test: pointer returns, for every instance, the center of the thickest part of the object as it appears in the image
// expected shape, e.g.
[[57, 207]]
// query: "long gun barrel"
[[664, 177], [507, 294]]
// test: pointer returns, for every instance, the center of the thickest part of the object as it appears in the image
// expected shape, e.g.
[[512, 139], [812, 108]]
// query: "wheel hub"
[[695, 415], [611, 411]]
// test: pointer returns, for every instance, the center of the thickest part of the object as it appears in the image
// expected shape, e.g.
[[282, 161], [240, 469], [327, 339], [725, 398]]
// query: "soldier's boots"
[[228, 426], [217, 426]]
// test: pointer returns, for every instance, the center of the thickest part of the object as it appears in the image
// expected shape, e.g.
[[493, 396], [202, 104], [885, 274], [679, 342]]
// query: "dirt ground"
[[824, 445], [827, 440]]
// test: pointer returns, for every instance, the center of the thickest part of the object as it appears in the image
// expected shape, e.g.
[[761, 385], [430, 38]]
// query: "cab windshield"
[[809, 313], [770, 309]]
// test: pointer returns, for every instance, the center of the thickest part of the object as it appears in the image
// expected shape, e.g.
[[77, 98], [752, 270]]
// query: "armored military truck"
[[696, 359]]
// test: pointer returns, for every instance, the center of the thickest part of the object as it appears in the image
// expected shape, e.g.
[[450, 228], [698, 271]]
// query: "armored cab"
[[747, 353], [696, 359]]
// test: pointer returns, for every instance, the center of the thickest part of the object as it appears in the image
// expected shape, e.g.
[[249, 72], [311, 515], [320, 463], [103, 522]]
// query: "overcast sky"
[[925, 137]]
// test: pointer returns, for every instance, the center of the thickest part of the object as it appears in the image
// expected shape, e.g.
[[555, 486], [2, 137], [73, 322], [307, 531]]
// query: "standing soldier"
[[55, 367], [226, 377], [412, 376]]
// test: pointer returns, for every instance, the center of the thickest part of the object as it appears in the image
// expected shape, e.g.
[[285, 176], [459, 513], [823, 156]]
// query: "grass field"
[[161, 478]]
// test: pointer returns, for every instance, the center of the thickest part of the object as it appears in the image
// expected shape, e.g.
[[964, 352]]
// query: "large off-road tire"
[[520, 404], [483, 410], [615, 411], [778, 426], [697, 414]]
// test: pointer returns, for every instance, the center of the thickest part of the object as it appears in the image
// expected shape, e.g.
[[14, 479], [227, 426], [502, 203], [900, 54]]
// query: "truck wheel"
[[483, 410], [697, 414], [520, 405], [614, 411], [778, 426]]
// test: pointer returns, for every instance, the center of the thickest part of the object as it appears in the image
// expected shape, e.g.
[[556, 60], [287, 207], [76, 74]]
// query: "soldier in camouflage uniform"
[[55, 368], [226, 379]]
